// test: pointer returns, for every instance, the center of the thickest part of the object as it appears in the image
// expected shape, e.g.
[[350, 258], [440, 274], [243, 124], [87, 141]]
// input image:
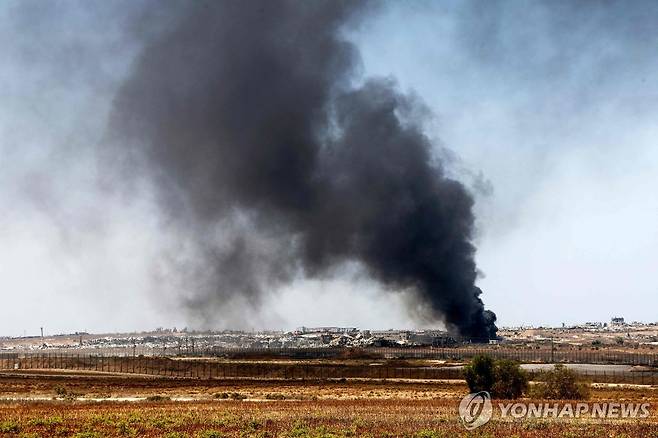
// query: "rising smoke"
[[270, 163]]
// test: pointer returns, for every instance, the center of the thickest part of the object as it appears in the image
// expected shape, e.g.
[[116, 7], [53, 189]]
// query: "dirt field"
[[88, 404]]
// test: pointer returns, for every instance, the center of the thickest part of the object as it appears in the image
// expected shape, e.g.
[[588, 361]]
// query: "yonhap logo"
[[475, 410]]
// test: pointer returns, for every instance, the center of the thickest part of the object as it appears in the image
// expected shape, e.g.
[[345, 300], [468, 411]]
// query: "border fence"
[[609, 356], [211, 368], [524, 355]]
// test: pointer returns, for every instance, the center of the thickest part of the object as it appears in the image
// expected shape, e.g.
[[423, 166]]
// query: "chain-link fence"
[[210, 368], [524, 355]]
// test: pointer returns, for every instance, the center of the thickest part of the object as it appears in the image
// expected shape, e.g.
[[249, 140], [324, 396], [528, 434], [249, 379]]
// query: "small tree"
[[480, 374], [561, 383], [502, 379], [511, 380]]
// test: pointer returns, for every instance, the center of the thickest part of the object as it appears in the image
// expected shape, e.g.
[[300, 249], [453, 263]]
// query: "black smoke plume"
[[270, 162]]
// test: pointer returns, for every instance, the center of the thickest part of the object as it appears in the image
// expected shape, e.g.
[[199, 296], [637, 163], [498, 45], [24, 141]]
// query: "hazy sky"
[[549, 109]]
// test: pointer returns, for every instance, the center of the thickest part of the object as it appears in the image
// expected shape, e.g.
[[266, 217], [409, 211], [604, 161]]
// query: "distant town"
[[616, 332]]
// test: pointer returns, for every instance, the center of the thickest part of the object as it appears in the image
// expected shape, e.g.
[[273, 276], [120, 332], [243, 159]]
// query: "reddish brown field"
[[98, 405]]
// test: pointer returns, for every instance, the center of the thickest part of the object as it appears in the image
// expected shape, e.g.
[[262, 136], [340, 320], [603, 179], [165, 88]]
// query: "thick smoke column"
[[271, 163]]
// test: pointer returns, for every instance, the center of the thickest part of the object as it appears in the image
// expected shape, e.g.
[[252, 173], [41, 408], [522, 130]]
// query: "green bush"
[[511, 380], [560, 383], [480, 375], [502, 379]]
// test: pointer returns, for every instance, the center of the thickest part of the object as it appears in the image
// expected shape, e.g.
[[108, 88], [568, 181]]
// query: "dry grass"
[[248, 408], [329, 418]]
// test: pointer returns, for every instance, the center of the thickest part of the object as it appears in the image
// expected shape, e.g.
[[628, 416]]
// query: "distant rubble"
[[190, 340], [589, 334]]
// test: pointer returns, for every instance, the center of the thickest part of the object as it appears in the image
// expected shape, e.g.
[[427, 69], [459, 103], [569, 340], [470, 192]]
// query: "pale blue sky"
[[556, 104], [552, 104]]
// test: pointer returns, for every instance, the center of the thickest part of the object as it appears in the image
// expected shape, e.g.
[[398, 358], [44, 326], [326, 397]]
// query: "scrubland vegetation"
[[40, 404], [313, 419]]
